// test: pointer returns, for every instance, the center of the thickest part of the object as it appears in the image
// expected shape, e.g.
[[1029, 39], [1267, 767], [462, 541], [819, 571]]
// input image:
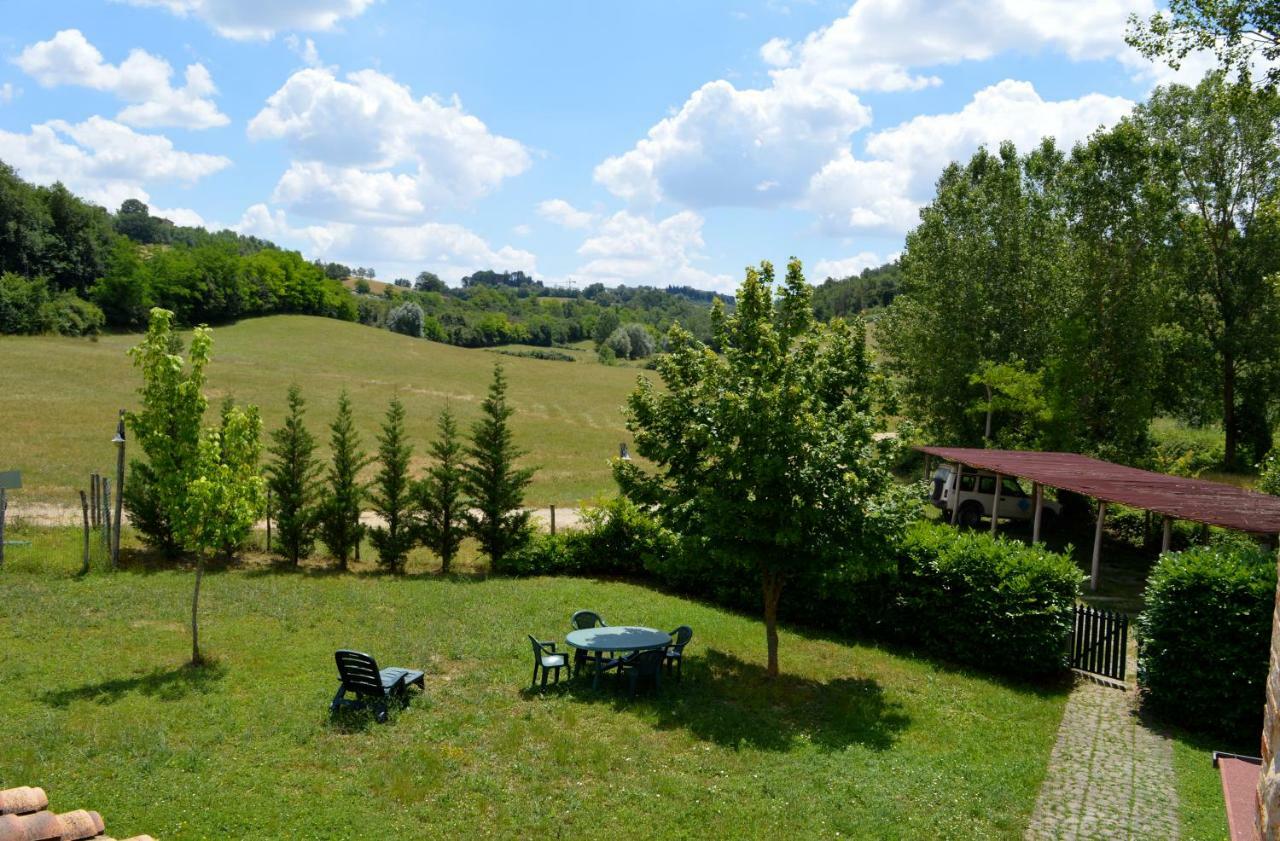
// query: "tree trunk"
[[195, 608], [990, 406], [1229, 408], [772, 592]]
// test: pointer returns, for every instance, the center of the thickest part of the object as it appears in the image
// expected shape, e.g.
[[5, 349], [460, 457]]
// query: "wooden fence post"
[[269, 522], [4, 503], [104, 513], [84, 504], [553, 520], [93, 500]]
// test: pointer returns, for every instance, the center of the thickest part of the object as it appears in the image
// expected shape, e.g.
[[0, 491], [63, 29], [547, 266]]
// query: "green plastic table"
[[625, 638]]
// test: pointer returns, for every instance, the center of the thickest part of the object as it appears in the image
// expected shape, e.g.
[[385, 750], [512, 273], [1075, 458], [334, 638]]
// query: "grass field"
[[853, 740], [61, 396]]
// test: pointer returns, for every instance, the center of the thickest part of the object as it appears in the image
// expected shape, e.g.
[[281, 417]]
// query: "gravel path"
[[1109, 776]]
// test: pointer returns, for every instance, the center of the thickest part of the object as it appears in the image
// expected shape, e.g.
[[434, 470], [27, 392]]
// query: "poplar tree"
[[440, 494], [292, 479], [493, 484], [392, 493], [340, 526]]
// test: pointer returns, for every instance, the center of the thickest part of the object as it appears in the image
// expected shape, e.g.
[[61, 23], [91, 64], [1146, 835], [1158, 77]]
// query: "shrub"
[[1186, 451], [407, 319], [1205, 638], [1000, 604], [71, 315], [23, 305], [617, 537], [630, 341]]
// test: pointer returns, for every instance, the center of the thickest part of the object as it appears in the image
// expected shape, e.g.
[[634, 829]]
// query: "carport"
[[1173, 497]]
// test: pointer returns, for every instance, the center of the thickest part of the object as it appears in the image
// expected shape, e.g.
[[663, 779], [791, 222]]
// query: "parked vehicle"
[[977, 489]]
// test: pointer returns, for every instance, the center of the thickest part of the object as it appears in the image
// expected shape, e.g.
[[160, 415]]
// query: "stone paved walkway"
[[1109, 777]]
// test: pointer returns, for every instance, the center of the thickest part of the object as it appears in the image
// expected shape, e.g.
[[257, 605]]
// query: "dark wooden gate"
[[1100, 642]]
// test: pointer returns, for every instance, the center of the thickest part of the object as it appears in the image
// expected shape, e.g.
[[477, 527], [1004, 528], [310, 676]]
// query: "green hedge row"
[[1205, 637], [962, 596]]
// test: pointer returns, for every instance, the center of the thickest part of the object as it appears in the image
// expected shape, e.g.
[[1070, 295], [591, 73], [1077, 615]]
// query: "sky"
[[645, 143]]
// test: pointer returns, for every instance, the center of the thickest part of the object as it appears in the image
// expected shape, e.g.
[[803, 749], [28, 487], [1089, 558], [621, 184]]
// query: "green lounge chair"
[[359, 674]]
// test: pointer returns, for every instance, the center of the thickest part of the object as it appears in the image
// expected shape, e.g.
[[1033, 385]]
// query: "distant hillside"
[[567, 414], [868, 290]]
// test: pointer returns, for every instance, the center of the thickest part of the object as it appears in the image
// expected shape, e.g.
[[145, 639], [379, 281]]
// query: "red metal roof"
[[1178, 497]]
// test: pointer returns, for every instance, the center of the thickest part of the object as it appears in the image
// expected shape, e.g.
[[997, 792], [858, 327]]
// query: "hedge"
[[1205, 638], [962, 596]]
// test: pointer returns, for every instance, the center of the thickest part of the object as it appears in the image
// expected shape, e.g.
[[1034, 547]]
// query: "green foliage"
[[363, 287], [440, 494], [406, 319], [1236, 31], [999, 604], [1205, 638], [339, 512], [630, 341], [870, 289], [616, 537], [548, 355], [1185, 451], [292, 477], [392, 493], [1269, 473], [1017, 395], [227, 494], [168, 430], [493, 484], [764, 454], [28, 308]]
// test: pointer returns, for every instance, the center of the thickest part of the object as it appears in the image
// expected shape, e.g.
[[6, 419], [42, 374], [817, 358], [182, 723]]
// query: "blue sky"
[[624, 143]]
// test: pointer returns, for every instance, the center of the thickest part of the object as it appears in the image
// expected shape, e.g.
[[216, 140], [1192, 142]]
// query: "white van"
[[977, 489]]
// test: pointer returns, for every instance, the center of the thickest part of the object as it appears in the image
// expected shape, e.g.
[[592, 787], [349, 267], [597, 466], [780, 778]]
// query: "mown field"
[[852, 741], [60, 398]]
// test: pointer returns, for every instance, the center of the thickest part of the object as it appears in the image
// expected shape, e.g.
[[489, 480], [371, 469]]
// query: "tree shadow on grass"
[[731, 702], [164, 684]]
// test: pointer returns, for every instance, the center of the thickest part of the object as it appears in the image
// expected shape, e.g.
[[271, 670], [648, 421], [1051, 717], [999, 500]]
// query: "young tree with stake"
[[340, 526], [292, 479], [392, 493], [493, 484], [440, 494]]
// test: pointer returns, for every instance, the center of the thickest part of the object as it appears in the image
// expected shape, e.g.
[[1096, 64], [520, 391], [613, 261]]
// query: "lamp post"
[[115, 533]]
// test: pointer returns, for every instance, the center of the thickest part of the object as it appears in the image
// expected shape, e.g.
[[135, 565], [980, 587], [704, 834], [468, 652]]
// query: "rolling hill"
[[60, 397]]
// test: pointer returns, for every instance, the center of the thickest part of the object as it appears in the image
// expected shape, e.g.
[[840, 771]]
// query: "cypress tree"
[[292, 479], [392, 493], [493, 484], [440, 494], [340, 526]]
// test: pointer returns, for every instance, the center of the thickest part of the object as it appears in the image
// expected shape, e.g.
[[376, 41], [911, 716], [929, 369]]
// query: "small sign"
[[10, 480]]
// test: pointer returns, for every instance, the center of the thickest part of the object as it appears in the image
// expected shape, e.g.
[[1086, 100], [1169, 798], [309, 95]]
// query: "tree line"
[[1061, 300], [200, 489]]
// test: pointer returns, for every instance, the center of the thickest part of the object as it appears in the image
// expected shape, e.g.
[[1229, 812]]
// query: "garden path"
[[1109, 775]]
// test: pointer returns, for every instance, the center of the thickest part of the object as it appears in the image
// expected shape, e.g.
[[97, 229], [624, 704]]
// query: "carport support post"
[[1037, 493], [1167, 539], [955, 494], [995, 505], [1097, 546]]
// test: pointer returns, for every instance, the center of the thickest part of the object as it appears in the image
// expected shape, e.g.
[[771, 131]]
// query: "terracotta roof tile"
[[24, 816]]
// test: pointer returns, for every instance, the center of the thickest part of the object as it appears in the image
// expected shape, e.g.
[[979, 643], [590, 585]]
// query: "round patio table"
[[623, 638]]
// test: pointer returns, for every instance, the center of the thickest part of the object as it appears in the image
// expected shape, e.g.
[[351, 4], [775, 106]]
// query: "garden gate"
[[1100, 642]]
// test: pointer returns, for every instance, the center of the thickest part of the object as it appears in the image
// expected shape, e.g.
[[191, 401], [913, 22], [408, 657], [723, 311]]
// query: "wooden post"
[[1096, 572], [269, 524], [995, 505], [1037, 494], [115, 527], [84, 504], [93, 500], [955, 494], [1167, 539], [553, 520], [4, 503], [104, 514]]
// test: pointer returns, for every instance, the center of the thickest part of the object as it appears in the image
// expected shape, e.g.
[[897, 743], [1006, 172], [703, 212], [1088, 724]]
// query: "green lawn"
[[568, 417], [852, 740]]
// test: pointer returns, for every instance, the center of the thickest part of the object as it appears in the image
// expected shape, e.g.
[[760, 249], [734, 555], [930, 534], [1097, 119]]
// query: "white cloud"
[[846, 266], [631, 249], [776, 52], [451, 251], [878, 43], [368, 150], [141, 79], [305, 49], [564, 214], [248, 19], [7, 93], [725, 144], [522, 230], [182, 216], [103, 160]]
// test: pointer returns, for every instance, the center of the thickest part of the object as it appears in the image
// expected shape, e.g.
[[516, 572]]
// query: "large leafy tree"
[[440, 496], [292, 477], [493, 484], [764, 456], [392, 492], [1224, 140], [340, 526], [1236, 31]]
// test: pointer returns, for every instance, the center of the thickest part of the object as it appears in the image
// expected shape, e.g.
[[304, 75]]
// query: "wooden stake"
[[84, 504], [104, 514], [1037, 491], [1096, 572], [955, 494], [4, 503], [553, 520], [269, 522], [1166, 539], [115, 529], [93, 500]]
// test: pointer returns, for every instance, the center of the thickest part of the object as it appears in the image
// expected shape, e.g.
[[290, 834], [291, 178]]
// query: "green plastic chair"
[[641, 665], [675, 652], [585, 619], [546, 659]]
